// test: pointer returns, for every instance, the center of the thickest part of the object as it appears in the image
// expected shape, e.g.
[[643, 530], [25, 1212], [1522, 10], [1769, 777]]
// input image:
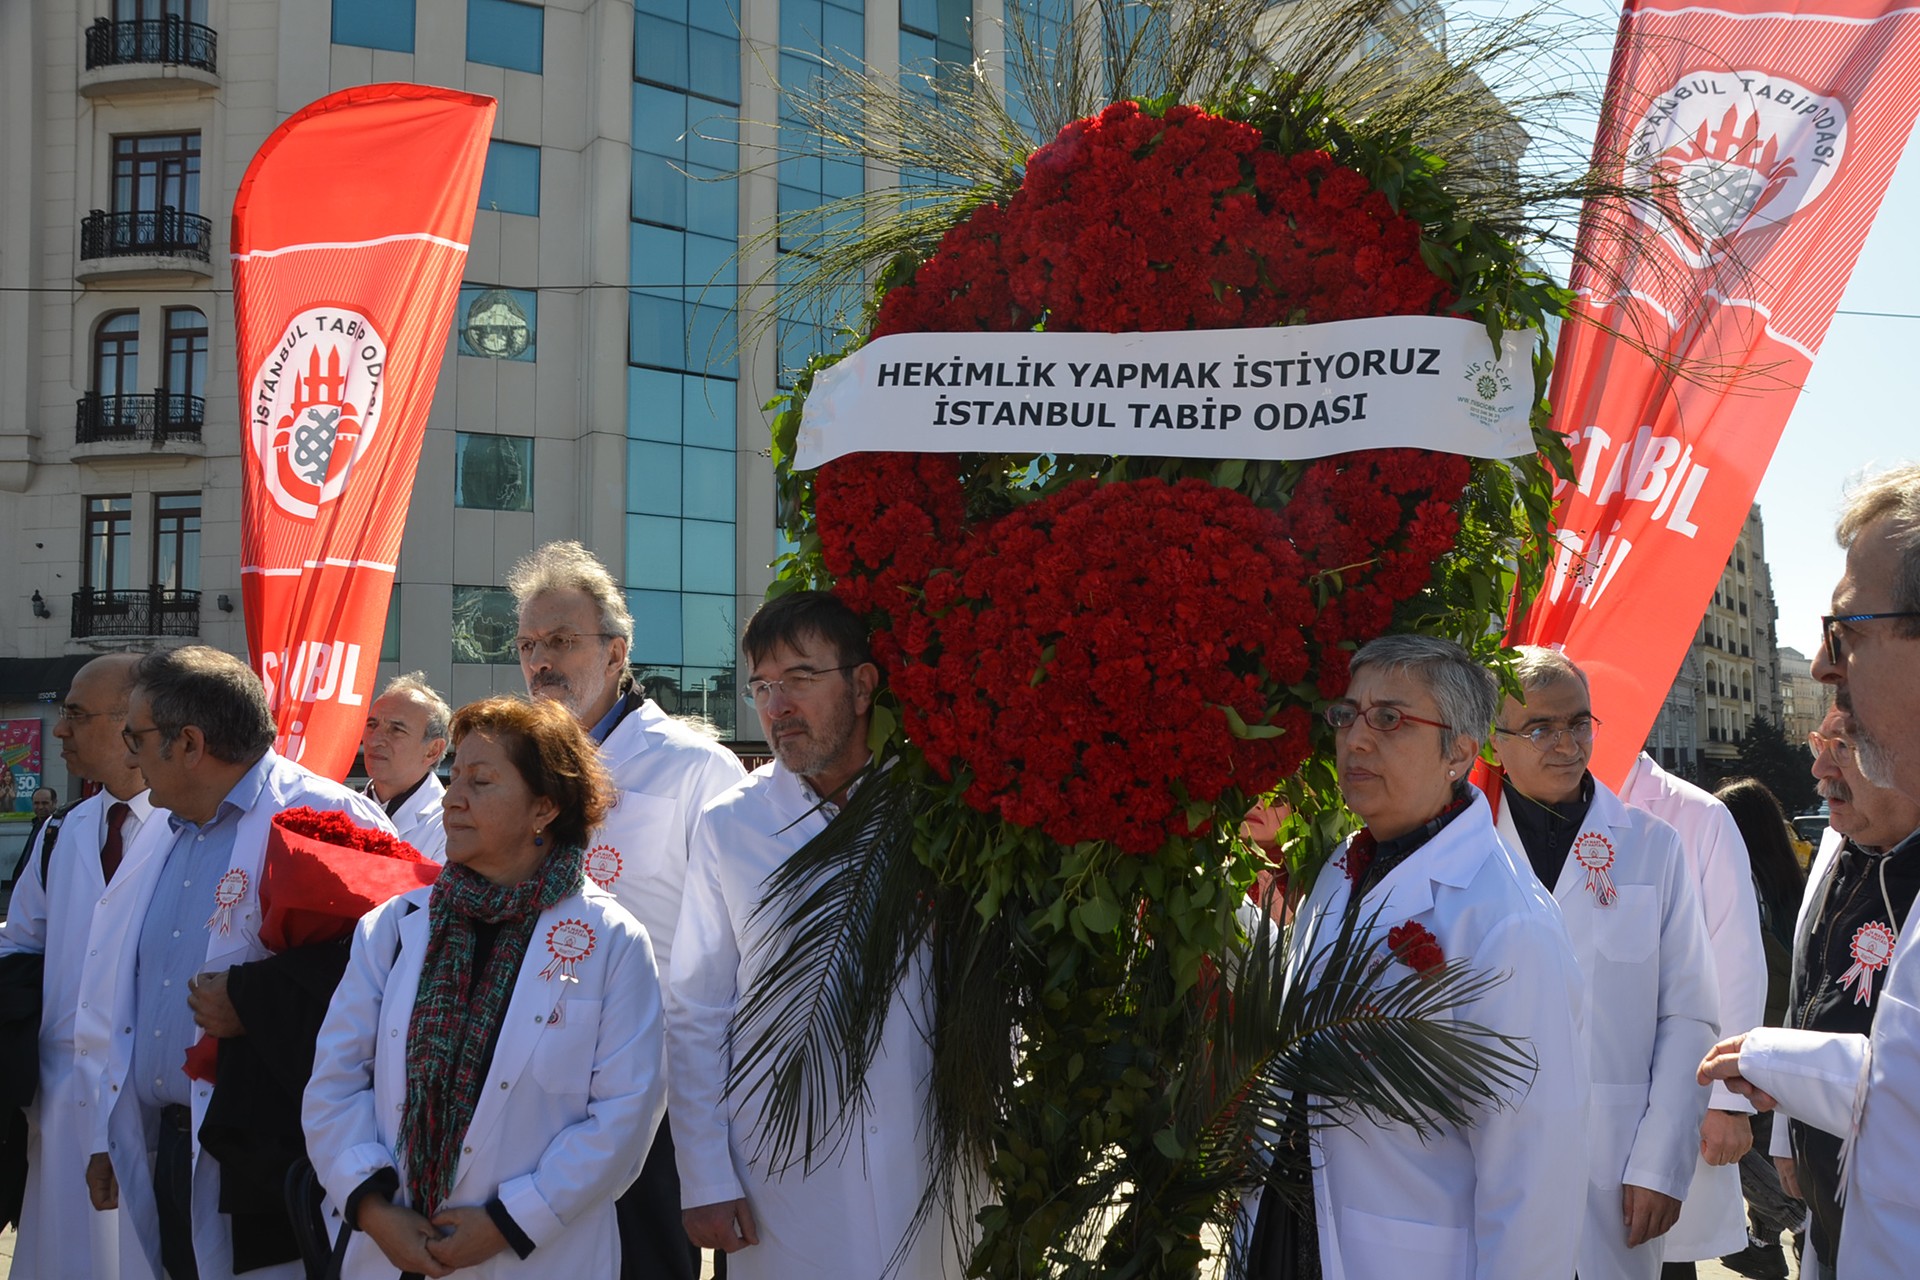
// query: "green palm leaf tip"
[[848, 911]]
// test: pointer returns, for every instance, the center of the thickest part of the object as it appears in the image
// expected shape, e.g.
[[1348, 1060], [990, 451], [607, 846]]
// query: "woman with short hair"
[[490, 1072]]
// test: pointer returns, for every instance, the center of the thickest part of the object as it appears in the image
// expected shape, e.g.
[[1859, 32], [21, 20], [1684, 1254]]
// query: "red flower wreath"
[[1083, 660]]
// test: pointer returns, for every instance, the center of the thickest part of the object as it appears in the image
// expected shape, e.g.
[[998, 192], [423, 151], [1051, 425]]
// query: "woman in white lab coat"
[[490, 1071]]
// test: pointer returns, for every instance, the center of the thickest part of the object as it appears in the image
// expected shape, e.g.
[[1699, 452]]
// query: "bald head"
[[91, 718]]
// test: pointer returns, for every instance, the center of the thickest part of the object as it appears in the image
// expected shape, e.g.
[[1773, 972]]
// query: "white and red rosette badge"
[[603, 864], [1595, 852], [568, 943], [228, 892], [1872, 949]]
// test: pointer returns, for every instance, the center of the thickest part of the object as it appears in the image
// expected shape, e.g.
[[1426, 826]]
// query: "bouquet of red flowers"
[[323, 872]]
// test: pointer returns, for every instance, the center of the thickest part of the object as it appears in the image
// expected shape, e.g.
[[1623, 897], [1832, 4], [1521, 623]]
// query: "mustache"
[[549, 680], [1834, 789]]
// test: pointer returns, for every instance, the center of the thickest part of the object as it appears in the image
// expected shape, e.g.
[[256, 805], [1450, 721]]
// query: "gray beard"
[[1876, 762]]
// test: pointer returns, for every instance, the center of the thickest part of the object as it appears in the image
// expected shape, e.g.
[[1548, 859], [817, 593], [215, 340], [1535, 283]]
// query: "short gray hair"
[[1892, 495], [213, 691], [568, 566], [1536, 666], [414, 685], [1467, 693]]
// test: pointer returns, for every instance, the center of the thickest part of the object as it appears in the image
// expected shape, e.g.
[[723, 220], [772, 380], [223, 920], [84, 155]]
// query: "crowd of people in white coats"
[[522, 1068]]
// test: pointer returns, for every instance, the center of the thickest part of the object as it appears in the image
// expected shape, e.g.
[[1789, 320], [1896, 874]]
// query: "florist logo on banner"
[[316, 407], [1732, 152]]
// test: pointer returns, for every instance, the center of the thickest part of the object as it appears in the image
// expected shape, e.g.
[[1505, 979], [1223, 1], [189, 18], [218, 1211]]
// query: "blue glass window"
[[653, 564], [706, 481], [511, 181], [656, 616], [502, 33], [374, 24]]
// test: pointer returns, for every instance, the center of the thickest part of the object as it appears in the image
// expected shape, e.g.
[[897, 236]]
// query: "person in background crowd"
[[60, 1237], [1506, 1196], [1864, 1089], [45, 801], [1777, 881], [1713, 1221], [573, 643], [1860, 896], [199, 728], [1628, 900], [405, 737], [812, 685], [489, 1074]]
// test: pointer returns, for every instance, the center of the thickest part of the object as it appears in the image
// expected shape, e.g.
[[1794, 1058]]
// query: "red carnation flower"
[[1414, 945]]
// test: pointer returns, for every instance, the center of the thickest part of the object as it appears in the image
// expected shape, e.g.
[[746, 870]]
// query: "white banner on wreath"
[[1303, 391]]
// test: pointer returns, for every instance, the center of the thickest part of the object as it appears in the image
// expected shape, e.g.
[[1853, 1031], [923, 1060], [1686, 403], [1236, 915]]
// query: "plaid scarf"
[[457, 1012]]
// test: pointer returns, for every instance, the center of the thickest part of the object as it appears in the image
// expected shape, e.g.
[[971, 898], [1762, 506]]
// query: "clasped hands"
[[437, 1246]]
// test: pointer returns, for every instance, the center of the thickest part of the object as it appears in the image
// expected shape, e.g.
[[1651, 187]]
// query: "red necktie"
[[112, 851]]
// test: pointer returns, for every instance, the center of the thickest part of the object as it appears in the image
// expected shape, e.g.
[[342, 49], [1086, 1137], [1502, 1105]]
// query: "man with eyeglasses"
[[404, 739], [844, 1212], [1630, 906], [1864, 1089], [1859, 896], [109, 834], [180, 956], [574, 636]]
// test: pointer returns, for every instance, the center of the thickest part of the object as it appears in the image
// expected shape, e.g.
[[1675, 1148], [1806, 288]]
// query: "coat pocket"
[[1628, 931], [1377, 1248], [563, 1051]]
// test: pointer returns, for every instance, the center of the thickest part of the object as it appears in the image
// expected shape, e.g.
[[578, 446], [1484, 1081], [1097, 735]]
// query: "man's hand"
[[207, 997], [1725, 1136], [402, 1235], [467, 1238], [726, 1226], [103, 1189], [1722, 1063], [1789, 1175], [1648, 1214]]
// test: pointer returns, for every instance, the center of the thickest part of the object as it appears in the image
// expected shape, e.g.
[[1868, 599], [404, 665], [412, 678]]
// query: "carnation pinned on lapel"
[[1414, 946]]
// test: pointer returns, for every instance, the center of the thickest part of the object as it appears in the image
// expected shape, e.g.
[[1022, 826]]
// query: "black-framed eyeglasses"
[[132, 736], [1344, 714], [1545, 737], [559, 644], [74, 715], [1830, 628], [796, 684]]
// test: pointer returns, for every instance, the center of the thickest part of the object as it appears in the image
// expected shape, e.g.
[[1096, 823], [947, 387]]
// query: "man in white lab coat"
[[405, 737], [846, 1215], [1865, 1089], [1627, 896], [199, 728], [1713, 1221], [61, 1237], [574, 635]]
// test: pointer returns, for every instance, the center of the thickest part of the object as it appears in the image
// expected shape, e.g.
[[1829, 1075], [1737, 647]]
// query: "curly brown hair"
[[554, 757]]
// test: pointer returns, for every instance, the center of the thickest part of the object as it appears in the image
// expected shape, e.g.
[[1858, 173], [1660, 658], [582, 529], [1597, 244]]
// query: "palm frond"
[[843, 917]]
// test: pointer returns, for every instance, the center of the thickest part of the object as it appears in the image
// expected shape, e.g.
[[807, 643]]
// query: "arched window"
[[186, 372], [116, 366]]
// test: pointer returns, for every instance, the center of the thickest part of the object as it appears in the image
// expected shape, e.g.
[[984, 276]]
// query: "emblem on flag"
[[1595, 852]]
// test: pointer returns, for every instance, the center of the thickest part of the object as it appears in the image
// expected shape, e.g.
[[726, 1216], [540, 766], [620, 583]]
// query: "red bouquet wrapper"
[[322, 872]]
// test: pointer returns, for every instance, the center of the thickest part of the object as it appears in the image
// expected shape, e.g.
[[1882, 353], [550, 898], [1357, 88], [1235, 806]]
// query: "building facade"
[[1804, 701], [598, 381]]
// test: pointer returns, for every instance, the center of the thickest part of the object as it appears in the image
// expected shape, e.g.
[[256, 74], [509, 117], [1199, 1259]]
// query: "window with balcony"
[[116, 378], [118, 408], [176, 542], [184, 391], [163, 32], [108, 604], [156, 201]]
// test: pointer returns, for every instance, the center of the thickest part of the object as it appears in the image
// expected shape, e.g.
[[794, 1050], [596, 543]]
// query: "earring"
[[538, 839], [1453, 773]]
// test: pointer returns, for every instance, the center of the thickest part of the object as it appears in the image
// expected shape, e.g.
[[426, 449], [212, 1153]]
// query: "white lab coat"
[[1867, 1089], [419, 821], [1651, 1016], [665, 773], [1780, 1144], [842, 1221], [103, 1028], [1504, 1198], [60, 1236], [563, 1118], [1713, 1222]]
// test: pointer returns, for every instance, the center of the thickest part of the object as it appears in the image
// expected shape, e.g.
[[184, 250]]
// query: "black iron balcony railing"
[[170, 40], [155, 611], [159, 418], [165, 231]]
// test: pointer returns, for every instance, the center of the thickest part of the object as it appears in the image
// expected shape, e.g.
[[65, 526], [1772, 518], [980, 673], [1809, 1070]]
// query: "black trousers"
[[653, 1242], [173, 1192]]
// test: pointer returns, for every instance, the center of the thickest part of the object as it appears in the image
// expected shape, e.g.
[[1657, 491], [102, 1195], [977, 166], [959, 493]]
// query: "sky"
[[1860, 408]]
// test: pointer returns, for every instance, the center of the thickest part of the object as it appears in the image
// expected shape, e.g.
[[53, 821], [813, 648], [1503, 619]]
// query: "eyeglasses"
[[795, 684], [74, 715], [1821, 744], [1545, 737], [1344, 714], [559, 644], [1830, 628], [132, 736]]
